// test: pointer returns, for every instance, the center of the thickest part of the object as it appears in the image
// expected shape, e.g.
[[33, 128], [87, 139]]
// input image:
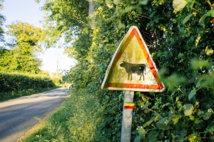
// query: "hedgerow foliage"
[[19, 82], [179, 34]]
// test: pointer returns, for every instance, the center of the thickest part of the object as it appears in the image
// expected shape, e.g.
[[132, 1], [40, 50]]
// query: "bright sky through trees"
[[28, 11]]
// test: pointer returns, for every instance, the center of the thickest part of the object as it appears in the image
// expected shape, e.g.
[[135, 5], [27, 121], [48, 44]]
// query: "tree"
[[64, 19], [22, 56], [7, 61]]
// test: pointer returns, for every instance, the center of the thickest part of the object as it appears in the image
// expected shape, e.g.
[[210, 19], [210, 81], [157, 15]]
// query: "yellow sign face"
[[132, 67]]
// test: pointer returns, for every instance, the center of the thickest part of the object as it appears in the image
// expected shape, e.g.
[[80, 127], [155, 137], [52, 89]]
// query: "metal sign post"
[[127, 116]]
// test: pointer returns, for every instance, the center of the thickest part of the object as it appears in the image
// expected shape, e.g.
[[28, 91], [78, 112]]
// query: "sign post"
[[127, 116], [131, 69]]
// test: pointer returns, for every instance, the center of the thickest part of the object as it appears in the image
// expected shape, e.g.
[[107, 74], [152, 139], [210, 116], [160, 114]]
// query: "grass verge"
[[80, 118]]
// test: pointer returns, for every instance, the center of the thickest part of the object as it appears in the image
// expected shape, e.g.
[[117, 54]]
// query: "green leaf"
[[156, 118], [187, 18], [178, 5], [197, 64], [174, 80], [175, 119], [208, 114], [138, 139], [146, 105], [152, 136], [192, 94], [141, 131], [200, 113], [163, 123], [147, 123], [211, 13], [202, 19], [183, 133], [144, 2], [209, 129], [155, 106], [188, 109], [198, 84]]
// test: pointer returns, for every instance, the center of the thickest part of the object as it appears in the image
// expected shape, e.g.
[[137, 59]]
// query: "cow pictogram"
[[130, 68]]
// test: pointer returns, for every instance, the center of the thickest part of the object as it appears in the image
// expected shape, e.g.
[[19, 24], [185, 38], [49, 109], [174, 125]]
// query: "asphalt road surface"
[[19, 115]]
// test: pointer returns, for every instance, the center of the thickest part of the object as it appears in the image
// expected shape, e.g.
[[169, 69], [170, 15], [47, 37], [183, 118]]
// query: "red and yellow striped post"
[[127, 116], [128, 105]]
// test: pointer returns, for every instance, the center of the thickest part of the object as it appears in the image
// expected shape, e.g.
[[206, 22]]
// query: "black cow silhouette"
[[134, 68]]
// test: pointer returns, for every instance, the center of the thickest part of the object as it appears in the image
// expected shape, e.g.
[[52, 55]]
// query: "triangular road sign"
[[132, 67]]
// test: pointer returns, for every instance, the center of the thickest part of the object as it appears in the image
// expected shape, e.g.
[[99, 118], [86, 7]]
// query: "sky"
[[30, 12]]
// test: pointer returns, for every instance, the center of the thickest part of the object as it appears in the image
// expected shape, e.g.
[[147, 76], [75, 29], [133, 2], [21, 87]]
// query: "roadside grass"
[[15, 94], [36, 128], [80, 118], [46, 128]]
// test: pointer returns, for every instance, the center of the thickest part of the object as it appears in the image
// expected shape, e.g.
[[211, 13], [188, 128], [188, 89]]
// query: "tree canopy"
[[63, 19], [21, 57]]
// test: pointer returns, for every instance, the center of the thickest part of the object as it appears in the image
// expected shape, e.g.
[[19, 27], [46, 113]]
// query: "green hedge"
[[20, 82], [183, 52]]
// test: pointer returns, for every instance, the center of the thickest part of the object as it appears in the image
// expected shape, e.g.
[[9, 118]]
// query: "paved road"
[[19, 115]]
